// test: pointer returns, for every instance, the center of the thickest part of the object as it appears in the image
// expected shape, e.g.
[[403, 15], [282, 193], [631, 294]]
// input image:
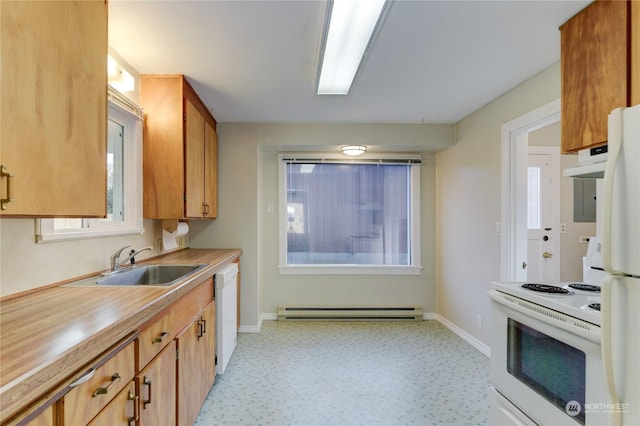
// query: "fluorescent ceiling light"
[[350, 30], [353, 150]]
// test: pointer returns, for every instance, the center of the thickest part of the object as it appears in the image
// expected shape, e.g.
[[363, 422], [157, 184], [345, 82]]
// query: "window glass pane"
[[533, 198], [115, 190], [348, 214]]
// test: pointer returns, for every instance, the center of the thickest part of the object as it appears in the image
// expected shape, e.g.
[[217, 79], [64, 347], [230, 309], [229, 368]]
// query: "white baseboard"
[[481, 347], [477, 344], [269, 316], [251, 328]]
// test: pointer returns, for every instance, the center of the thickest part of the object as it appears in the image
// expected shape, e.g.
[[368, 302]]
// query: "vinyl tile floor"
[[351, 373]]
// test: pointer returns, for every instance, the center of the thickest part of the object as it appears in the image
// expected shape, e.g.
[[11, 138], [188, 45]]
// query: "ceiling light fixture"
[[353, 150], [348, 32]]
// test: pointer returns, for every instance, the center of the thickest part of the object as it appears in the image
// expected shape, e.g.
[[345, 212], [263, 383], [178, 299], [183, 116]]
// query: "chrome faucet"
[[116, 263], [132, 255]]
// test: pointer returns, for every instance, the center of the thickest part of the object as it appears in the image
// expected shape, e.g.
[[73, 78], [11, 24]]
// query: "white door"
[[543, 254]]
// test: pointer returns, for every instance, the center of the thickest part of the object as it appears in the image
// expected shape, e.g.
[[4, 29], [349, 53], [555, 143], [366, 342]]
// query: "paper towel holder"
[[170, 225]]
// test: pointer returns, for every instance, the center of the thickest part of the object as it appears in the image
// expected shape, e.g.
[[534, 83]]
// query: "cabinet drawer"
[[122, 410], [152, 340], [191, 305], [87, 399]]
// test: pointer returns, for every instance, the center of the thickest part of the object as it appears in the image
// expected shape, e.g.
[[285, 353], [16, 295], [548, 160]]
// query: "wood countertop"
[[48, 336]]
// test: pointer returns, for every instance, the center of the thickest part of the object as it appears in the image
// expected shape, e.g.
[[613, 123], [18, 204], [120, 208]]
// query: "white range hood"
[[591, 163]]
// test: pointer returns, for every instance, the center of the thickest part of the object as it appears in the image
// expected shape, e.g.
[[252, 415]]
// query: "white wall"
[[468, 204], [248, 179]]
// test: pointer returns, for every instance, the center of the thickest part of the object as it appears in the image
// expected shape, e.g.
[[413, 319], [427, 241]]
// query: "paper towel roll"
[[169, 238]]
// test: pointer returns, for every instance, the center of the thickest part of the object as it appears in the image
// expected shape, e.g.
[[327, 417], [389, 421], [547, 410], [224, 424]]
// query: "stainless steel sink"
[[152, 275]]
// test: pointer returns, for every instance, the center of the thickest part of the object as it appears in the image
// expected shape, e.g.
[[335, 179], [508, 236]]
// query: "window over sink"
[[342, 216], [124, 181]]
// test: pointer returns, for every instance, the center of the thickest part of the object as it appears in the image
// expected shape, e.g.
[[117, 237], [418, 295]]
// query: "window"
[[358, 216], [124, 181]]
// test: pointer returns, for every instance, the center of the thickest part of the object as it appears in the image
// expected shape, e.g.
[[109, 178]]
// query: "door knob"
[[547, 255]]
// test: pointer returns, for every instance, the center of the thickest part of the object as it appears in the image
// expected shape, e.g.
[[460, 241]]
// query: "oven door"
[[541, 366]]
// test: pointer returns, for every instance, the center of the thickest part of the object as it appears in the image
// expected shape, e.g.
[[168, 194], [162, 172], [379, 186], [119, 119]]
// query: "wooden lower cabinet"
[[196, 364], [159, 375], [121, 411], [156, 386]]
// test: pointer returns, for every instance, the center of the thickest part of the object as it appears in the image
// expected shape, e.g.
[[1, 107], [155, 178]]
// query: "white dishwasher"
[[226, 315]]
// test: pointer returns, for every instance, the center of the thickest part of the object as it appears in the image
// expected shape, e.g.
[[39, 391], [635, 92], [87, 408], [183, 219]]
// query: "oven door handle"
[[575, 326]]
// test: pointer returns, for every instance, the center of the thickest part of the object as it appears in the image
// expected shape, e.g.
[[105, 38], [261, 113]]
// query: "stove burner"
[[585, 287], [595, 306], [545, 288]]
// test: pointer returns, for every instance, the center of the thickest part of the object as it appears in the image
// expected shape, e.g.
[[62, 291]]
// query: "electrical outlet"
[[479, 321], [563, 228]]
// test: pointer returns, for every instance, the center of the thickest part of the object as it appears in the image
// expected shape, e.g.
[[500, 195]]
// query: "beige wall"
[[248, 179], [26, 265], [469, 204]]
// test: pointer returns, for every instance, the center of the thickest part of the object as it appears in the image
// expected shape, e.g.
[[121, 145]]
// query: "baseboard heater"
[[350, 313]]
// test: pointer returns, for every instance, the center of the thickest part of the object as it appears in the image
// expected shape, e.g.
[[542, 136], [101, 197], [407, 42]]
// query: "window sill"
[[349, 270], [66, 236]]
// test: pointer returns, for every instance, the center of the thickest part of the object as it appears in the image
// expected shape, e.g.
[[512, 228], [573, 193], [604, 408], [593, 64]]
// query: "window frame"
[[129, 115], [415, 266]]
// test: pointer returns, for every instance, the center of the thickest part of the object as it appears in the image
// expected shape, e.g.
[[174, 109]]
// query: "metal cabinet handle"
[[104, 389], [204, 325], [86, 376], [4, 201], [146, 402], [136, 415], [160, 338], [200, 329]]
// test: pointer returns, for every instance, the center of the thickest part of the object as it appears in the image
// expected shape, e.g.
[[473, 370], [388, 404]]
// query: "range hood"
[[595, 170], [591, 163]]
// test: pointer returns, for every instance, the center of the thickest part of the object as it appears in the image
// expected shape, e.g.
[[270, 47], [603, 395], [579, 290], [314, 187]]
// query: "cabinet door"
[[595, 72], [121, 411], [195, 157], [157, 389], [210, 171], [196, 365], [163, 155], [53, 111]]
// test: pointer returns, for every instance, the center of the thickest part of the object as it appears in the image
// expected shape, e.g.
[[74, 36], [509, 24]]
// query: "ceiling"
[[256, 61]]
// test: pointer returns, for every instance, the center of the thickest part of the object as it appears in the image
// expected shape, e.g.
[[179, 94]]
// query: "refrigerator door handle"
[[606, 346], [614, 147]]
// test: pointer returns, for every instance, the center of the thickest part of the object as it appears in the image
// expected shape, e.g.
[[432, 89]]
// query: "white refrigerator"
[[621, 260]]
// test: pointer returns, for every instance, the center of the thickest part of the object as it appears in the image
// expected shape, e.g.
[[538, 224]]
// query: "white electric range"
[[546, 363]]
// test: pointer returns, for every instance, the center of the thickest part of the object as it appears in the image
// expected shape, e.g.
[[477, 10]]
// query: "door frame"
[[515, 146]]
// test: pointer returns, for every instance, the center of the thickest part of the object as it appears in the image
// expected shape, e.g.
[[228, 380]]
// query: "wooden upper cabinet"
[[53, 112], [180, 150], [595, 51]]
